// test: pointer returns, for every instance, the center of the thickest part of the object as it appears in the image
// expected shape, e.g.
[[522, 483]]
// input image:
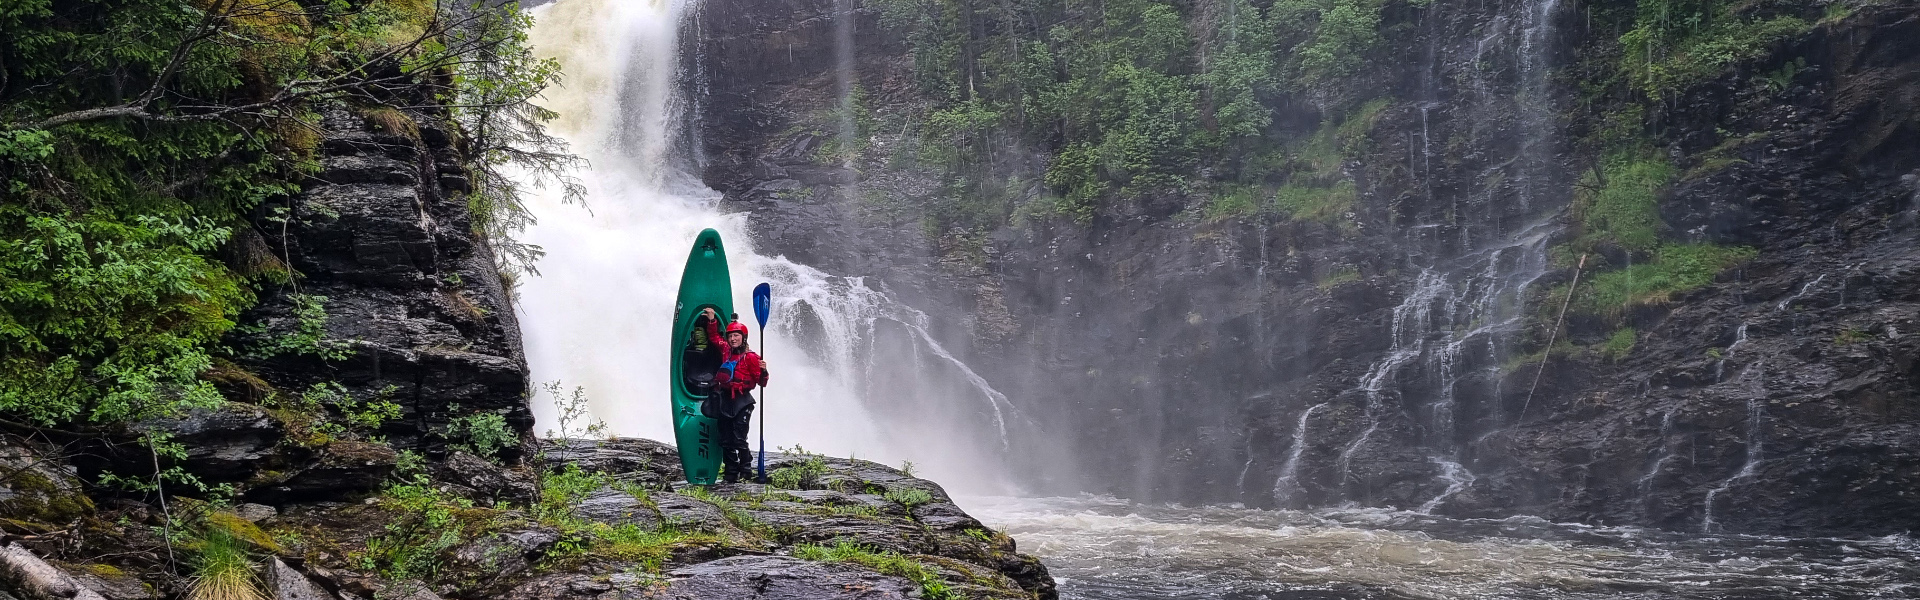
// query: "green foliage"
[[561, 488], [1623, 209], [1676, 268], [1677, 44], [980, 534], [483, 433], [932, 586], [651, 549], [909, 497], [1851, 336], [1330, 205], [1233, 201], [426, 527], [138, 136], [107, 316], [1619, 344], [1347, 31]]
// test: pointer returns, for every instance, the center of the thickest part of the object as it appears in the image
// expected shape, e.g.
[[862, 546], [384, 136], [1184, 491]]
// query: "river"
[[1105, 548]]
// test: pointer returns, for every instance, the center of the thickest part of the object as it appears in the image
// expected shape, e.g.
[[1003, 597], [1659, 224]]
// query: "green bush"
[[483, 433]]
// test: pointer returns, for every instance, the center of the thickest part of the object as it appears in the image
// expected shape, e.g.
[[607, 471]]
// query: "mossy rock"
[[39, 492]]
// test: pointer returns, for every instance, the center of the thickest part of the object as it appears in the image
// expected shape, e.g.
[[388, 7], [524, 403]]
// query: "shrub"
[[484, 433], [909, 497]]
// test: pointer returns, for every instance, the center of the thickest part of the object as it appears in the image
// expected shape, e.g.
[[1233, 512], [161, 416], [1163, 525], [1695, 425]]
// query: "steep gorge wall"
[[1387, 355]]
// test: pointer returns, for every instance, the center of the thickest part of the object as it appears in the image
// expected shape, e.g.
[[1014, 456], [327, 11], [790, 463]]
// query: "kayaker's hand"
[[708, 313]]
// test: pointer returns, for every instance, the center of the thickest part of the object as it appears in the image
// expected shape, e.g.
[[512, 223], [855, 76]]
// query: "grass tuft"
[[221, 569]]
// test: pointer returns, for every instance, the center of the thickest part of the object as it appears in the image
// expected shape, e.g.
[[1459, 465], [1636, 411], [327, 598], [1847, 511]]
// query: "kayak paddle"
[[762, 304]]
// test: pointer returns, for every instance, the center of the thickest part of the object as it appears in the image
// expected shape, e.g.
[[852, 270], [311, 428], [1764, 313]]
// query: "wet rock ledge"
[[579, 519]]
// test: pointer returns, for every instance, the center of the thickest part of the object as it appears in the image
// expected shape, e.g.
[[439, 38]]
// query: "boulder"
[[616, 508], [782, 578], [289, 584]]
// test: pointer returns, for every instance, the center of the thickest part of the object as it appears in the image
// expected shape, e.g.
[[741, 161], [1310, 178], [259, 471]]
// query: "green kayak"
[[704, 284]]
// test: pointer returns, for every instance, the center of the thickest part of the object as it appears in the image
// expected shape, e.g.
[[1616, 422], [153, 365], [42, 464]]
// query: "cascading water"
[[1753, 379], [1457, 321], [597, 317]]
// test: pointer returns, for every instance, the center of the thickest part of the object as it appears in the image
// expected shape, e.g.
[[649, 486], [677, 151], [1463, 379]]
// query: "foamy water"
[[1109, 549]]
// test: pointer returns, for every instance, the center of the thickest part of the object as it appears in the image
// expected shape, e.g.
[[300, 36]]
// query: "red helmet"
[[739, 327]]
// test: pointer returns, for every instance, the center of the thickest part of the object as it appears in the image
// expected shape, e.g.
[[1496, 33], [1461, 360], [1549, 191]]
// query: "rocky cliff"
[[1731, 356]]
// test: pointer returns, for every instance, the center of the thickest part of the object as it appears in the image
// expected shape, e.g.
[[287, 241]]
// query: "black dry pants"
[[736, 425]]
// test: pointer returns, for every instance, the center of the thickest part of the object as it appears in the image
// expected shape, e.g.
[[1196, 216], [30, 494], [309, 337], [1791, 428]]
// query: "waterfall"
[[598, 314], [1286, 486], [1754, 377]]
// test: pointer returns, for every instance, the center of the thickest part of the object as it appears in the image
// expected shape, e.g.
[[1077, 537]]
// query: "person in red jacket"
[[740, 371]]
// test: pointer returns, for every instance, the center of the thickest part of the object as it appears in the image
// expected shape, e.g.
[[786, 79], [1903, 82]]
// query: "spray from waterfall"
[[598, 317]]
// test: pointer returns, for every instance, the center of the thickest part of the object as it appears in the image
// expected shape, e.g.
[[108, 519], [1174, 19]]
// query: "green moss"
[[244, 531], [1619, 344], [1676, 268], [42, 499]]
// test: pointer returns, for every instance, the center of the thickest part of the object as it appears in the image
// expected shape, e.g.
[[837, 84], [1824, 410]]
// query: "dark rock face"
[[1385, 362], [342, 468], [409, 289]]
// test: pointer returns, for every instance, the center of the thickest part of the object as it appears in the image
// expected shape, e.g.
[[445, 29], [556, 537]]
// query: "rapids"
[[1104, 548]]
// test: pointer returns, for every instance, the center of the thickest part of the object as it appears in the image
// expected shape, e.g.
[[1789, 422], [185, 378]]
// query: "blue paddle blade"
[[762, 303]]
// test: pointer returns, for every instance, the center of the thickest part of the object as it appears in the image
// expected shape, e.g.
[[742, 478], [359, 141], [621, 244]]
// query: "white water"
[[598, 316], [1104, 548]]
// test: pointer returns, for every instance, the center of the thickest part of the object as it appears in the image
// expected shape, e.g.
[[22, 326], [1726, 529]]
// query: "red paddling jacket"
[[739, 373]]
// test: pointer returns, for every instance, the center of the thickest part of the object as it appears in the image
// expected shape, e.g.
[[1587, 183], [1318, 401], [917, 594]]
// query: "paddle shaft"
[[762, 477]]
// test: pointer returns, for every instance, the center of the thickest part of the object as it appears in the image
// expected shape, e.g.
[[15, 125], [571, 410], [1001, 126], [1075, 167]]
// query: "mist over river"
[[1105, 548]]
